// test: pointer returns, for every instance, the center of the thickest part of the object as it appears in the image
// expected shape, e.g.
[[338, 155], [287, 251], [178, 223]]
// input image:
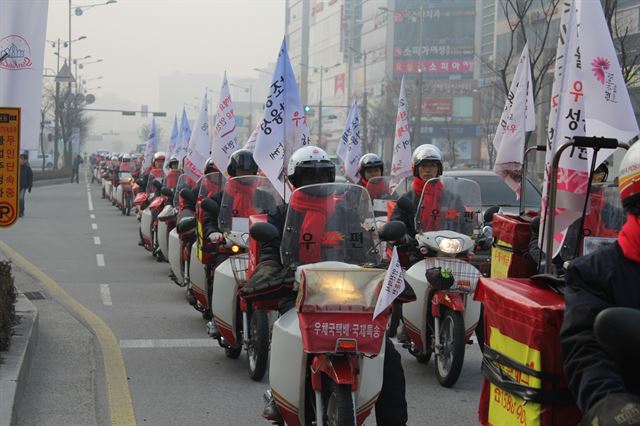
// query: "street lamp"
[[262, 71], [250, 91], [322, 69], [93, 88], [79, 10], [81, 66]]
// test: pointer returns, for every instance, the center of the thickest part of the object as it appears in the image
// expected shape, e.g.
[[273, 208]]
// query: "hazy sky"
[[140, 40]]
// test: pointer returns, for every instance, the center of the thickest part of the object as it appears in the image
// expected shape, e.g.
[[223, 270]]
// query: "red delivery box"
[[511, 236]]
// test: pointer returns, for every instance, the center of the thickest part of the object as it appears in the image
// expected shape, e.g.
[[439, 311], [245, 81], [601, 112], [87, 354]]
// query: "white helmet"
[[160, 155], [629, 180], [426, 153], [126, 157], [310, 161]]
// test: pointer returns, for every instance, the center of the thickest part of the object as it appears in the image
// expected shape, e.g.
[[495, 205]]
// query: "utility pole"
[[56, 131], [320, 108], [417, 124], [364, 104]]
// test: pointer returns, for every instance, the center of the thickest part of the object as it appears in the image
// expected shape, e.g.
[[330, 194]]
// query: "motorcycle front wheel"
[[450, 355], [258, 348], [339, 409]]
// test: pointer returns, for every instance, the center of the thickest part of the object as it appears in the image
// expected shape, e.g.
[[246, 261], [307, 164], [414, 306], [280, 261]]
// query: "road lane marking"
[[100, 259], [90, 202], [105, 295], [92, 216], [94, 226], [167, 343], [118, 393], [96, 241]]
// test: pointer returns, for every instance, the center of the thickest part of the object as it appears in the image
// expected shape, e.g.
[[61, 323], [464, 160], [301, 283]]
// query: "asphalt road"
[[188, 380]]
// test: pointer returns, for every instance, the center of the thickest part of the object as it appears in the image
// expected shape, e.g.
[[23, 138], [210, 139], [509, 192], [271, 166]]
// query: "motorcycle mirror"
[[186, 224], [405, 204], [157, 184], [188, 195], [167, 192], [616, 330], [263, 232], [488, 213], [393, 231], [210, 206]]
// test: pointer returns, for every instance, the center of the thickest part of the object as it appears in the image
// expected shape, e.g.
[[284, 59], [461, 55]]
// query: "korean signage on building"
[[9, 165], [434, 38]]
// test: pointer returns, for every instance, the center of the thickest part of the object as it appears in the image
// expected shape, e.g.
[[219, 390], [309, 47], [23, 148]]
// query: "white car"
[[35, 161]]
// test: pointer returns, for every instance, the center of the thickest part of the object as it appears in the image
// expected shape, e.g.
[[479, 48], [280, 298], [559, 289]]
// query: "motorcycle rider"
[[209, 167], [241, 163], [370, 166], [156, 170], [173, 173], [426, 163], [606, 385], [308, 166]]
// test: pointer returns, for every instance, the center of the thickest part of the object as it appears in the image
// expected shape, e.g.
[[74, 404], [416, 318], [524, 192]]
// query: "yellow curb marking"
[[118, 394]]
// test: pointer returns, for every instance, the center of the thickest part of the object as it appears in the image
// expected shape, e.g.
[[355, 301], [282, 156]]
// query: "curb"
[[14, 369]]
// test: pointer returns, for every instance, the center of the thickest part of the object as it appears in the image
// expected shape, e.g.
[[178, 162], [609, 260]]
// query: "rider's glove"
[[216, 237], [614, 409]]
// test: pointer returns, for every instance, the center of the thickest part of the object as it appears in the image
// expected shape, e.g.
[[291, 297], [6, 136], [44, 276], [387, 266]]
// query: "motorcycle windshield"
[[381, 190], [184, 182], [150, 189], [245, 196], [451, 204], [330, 222], [210, 184], [171, 179]]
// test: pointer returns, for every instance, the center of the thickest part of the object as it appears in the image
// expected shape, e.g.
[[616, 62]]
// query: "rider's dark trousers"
[[391, 407]]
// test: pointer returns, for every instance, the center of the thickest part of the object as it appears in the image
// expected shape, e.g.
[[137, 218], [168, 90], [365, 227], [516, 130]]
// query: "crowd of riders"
[[604, 385]]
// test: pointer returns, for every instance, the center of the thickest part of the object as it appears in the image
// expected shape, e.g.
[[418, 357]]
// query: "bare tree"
[[46, 106], [71, 114]]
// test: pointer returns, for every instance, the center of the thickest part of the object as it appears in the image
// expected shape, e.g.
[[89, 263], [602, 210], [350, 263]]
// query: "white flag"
[[518, 117], [183, 136], [566, 120], [151, 147], [225, 141], [199, 147], [401, 161], [283, 128], [251, 142], [351, 150], [23, 25], [607, 105], [343, 143], [173, 143], [392, 287]]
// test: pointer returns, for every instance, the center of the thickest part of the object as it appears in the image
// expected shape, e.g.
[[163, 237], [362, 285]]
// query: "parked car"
[[35, 161]]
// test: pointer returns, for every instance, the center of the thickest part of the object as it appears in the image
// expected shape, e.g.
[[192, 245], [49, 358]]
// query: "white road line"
[[100, 259], [96, 241], [92, 216], [105, 295], [94, 226], [167, 343], [90, 202]]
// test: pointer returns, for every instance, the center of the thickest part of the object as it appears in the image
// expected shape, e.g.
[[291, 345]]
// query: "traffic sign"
[[9, 165]]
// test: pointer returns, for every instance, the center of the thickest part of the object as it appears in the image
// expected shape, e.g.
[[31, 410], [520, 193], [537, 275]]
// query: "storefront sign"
[[9, 165]]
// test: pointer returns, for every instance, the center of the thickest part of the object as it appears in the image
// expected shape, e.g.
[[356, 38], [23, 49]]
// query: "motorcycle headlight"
[[235, 249], [449, 245]]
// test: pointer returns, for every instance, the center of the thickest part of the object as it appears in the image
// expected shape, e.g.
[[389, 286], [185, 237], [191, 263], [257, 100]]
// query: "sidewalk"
[[61, 386]]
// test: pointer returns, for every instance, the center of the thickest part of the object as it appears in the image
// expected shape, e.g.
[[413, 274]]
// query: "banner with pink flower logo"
[[608, 108]]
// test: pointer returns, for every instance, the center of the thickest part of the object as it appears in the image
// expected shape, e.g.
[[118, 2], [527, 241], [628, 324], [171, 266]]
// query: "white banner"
[[23, 26], [251, 142], [225, 141], [393, 285], [152, 146], [350, 148], [607, 105], [199, 148], [283, 128], [343, 143], [518, 117], [401, 160], [183, 136], [566, 120], [75, 140], [173, 143]]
